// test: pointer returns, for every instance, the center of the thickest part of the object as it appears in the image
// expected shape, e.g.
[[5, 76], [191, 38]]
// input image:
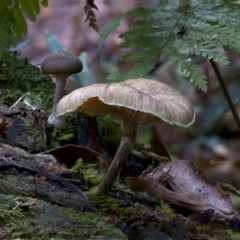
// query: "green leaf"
[[65, 137], [53, 42], [27, 9], [140, 68], [21, 26], [45, 3], [12, 20], [105, 33], [19, 46], [35, 6], [85, 77]]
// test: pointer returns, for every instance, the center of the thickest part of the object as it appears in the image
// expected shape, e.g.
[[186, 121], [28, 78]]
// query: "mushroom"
[[134, 101], [61, 64]]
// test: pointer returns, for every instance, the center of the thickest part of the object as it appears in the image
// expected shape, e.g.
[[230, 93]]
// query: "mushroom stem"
[[59, 121], [124, 149]]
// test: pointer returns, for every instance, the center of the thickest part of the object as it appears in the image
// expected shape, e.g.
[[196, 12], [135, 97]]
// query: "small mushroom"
[[61, 65], [134, 101]]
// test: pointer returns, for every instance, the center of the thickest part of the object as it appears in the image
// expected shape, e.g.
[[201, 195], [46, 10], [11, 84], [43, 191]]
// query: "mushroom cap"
[[144, 101], [61, 63]]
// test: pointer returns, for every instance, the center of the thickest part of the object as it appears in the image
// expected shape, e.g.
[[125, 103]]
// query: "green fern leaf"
[[27, 9], [105, 33], [45, 3], [35, 6], [12, 21], [19, 24], [141, 65], [178, 32]]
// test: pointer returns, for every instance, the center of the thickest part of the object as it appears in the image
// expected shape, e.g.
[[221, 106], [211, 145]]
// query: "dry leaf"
[[69, 154], [191, 190], [3, 126]]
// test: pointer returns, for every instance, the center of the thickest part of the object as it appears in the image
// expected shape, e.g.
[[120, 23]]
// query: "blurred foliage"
[[66, 134], [211, 127], [105, 33], [12, 22], [25, 84], [110, 131], [166, 209], [53, 42], [178, 32], [6, 215], [86, 173], [108, 127], [20, 79]]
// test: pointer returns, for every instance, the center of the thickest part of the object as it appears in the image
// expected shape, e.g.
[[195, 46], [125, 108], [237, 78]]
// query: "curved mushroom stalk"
[[124, 149]]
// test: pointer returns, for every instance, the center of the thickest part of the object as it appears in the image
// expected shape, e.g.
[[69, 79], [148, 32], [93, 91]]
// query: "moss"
[[93, 224], [111, 206], [151, 238], [36, 133], [87, 173], [64, 135], [12, 179], [22, 79], [80, 227], [8, 215], [9, 198], [166, 210], [232, 235], [10, 210], [49, 221], [195, 228]]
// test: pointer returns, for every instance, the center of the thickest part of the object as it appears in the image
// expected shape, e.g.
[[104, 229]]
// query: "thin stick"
[[225, 91]]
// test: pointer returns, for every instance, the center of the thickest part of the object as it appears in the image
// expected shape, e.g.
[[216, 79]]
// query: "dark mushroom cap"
[[61, 63], [144, 101]]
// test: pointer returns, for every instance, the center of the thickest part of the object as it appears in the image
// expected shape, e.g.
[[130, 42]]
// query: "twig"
[[145, 154], [225, 91]]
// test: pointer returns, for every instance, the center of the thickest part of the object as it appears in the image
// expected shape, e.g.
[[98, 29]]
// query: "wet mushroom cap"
[[61, 63], [144, 101]]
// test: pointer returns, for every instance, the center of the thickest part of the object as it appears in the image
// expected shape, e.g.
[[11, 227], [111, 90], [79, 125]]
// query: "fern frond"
[[29, 8], [178, 32], [44, 3], [18, 23], [12, 21]]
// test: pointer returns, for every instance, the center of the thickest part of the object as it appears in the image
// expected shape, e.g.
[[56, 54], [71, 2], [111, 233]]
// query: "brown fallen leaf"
[[3, 126], [191, 190], [69, 154]]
